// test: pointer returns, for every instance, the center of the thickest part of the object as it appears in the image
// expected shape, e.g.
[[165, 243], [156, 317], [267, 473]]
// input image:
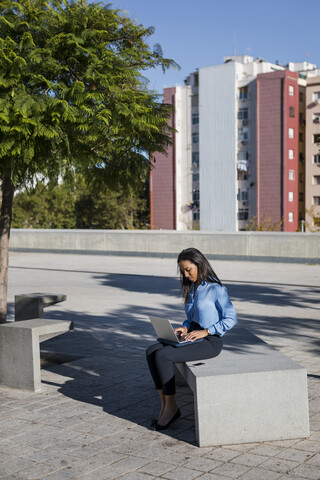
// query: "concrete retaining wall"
[[271, 246]]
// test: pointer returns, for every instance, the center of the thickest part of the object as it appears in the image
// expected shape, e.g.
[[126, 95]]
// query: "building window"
[[291, 174], [196, 216], [195, 118], [195, 159], [291, 153], [316, 200], [243, 214], [301, 197], [301, 96], [291, 132], [291, 111], [316, 97], [195, 195], [195, 177], [316, 118], [243, 155], [244, 195], [195, 138], [301, 137], [243, 93], [242, 176], [243, 114], [290, 196], [316, 179], [291, 90], [316, 138], [242, 135], [290, 217], [316, 159]]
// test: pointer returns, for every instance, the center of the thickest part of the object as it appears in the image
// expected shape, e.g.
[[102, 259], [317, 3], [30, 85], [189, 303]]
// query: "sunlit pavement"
[[91, 419]]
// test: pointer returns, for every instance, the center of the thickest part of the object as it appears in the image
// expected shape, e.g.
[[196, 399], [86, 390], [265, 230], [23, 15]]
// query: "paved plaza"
[[91, 420]]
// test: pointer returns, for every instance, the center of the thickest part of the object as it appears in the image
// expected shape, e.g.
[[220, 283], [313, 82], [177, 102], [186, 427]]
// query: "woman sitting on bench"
[[210, 314]]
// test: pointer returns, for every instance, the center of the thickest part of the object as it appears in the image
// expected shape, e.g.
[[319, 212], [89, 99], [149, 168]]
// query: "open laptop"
[[166, 334]]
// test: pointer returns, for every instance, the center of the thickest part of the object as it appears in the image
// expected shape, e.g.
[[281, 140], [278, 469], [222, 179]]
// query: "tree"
[[81, 206], [266, 224], [45, 206], [72, 99]]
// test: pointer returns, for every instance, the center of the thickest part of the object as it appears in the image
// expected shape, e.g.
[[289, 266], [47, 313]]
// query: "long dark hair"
[[205, 272]]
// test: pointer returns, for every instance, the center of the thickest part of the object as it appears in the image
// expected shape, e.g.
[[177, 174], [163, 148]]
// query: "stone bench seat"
[[249, 393], [31, 305], [20, 350]]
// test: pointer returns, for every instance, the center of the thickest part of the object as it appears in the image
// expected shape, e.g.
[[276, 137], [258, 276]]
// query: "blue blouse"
[[211, 308]]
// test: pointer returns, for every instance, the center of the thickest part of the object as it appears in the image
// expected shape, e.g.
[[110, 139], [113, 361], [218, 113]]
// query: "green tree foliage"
[[266, 224], [80, 206], [72, 99], [50, 206]]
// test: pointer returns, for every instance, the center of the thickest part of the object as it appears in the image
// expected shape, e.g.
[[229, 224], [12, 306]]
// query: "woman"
[[210, 314]]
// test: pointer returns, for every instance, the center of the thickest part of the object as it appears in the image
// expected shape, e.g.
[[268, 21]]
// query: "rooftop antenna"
[[234, 42]]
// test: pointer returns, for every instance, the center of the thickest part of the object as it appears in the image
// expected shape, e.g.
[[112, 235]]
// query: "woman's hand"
[[182, 331], [195, 334]]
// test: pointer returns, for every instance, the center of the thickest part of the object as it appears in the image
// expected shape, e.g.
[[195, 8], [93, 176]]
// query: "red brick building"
[[162, 180], [278, 149]]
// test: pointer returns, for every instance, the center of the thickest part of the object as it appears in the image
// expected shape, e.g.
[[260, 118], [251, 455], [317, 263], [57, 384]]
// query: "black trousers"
[[161, 359]]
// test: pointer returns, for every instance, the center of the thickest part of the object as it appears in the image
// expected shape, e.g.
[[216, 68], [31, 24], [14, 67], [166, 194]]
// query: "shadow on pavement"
[[114, 377]]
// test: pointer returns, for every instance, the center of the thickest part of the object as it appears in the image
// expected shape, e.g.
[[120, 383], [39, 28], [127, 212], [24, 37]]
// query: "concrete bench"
[[31, 305], [249, 393], [20, 350]]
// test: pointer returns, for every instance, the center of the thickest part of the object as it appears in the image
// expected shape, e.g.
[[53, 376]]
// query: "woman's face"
[[189, 270]]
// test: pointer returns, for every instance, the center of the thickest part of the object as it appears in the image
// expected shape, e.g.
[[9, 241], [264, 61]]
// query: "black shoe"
[[163, 427], [153, 422]]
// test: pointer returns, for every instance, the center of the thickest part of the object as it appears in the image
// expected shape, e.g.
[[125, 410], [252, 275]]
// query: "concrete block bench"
[[20, 350], [31, 305], [249, 393]]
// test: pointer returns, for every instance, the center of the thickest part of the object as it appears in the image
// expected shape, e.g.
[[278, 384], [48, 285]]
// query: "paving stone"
[[39, 471], [295, 455], [222, 454], [156, 468], [231, 470], [277, 464], [203, 464], [267, 450], [137, 476], [308, 446], [282, 443], [15, 466], [290, 477], [249, 459], [314, 460], [131, 463], [260, 474], [181, 473], [177, 458], [211, 476], [307, 471]]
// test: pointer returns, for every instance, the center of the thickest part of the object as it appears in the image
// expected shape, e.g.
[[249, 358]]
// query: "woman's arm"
[[226, 311]]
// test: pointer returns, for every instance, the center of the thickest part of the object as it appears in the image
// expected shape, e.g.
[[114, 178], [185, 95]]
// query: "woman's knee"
[[163, 353], [153, 348]]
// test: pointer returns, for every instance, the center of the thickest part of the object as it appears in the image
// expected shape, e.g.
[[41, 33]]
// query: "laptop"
[[166, 334]]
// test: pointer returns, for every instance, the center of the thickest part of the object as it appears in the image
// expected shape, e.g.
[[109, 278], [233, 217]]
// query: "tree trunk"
[[5, 223]]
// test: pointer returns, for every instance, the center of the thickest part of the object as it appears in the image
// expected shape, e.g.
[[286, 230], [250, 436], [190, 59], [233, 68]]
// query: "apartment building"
[[238, 154], [277, 150], [312, 159], [171, 173]]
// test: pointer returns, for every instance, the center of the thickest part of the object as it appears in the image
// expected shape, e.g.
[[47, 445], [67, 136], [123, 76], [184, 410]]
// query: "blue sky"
[[197, 33]]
